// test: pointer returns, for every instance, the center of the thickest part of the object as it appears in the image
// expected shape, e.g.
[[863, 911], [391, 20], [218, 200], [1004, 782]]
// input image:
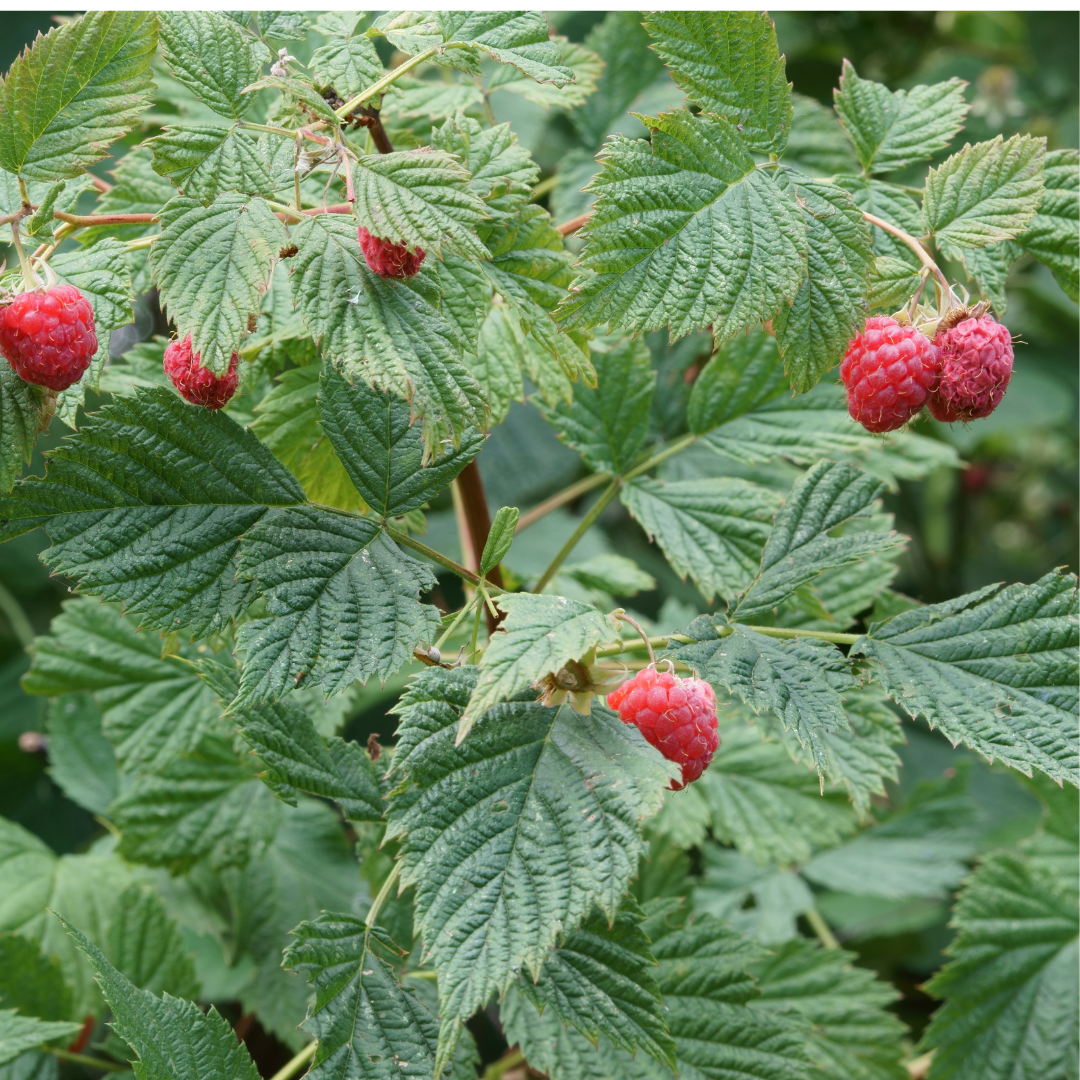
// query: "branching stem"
[[568, 494], [584, 525], [405, 540]]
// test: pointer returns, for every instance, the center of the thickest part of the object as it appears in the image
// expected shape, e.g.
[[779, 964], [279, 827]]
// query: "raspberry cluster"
[[197, 384], [677, 716], [48, 337], [976, 366], [389, 260]]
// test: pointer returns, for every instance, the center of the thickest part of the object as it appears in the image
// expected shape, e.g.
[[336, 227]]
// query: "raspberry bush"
[[275, 510]]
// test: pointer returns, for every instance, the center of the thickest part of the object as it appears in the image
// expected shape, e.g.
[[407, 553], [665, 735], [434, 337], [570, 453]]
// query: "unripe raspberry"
[[48, 337], [677, 716], [387, 259], [976, 366], [195, 383], [888, 370]]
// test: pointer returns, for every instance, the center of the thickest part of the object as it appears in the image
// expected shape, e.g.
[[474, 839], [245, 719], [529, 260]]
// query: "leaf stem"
[[510, 1060], [583, 527], [465, 609], [677, 447], [16, 617], [391, 77], [820, 635], [633, 644], [294, 1065], [85, 221], [915, 245], [281, 208], [380, 899], [623, 617], [572, 226], [821, 928], [140, 243], [86, 1060], [405, 540], [29, 277], [568, 494], [544, 187]]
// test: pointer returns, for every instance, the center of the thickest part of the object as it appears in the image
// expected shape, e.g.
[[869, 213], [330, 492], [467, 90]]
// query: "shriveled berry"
[[976, 366], [195, 383], [889, 370], [388, 259], [677, 716], [48, 337]]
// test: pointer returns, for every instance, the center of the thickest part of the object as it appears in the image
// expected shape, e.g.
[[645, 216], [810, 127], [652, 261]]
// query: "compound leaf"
[[1054, 236]]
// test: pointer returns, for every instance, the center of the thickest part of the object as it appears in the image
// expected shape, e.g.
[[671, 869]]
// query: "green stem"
[[510, 1060], [391, 77], [85, 1059], [677, 447], [23, 193], [475, 632], [377, 903], [821, 635], [294, 1065], [561, 498], [31, 279], [583, 527], [247, 125], [634, 644], [281, 208], [405, 540], [457, 622], [16, 617], [821, 928], [915, 245], [425, 973], [544, 187], [141, 242]]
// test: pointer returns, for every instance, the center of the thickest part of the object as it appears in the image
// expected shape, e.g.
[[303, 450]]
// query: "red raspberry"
[[888, 370], [677, 716], [48, 338], [976, 366], [196, 383], [387, 259]]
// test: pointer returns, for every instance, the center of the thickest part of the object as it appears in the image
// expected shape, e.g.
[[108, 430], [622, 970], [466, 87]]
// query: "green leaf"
[[203, 161], [518, 38], [283, 25], [433, 99], [146, 944], [136, 189], [19, 1033], [743, 375], [995, 669], [610, 573], [512, 837], [850, 1034], [391, 336], [539, 635], [817, 144], [212, 57], [366, 1023], [728, 62], [607, 425], [499, 361], [601, 980], [296, 756], [894, 206], [77, 89], [153, 706], [985, 193], [584, 63], [306, 97], [382, 450], [171, 1037], [893, 129], [82, 762], [101, 274], [342, 604], [711, 529], [465, 297], [160, 531], [686, 232], [1053, 236], [212, 264], [830, 305], [20, 418], [989, 268], [205, 805], [500, 537], [348, 61], [1010, 989], [31, 981], [892, 283], [800, 547]]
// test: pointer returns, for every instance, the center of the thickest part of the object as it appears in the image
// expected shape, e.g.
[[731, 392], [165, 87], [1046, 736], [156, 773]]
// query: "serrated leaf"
[[1010, 988], [20, 1033], [212, 265], [465, 297], [711, 529], [894, 206], [433, 99], [348, 61], [136, 189], [20, 417], [512, 837], [212, 57], [985, 193], [306, 96], [584, 63], [744, 374], [686, 232], [500, 537], [101, 274], [203, 161], [499, 361], [159, 534], [989, 268], [366, 1023], [77, 89], [540, 634], [607, 425], [382, 450], [728, 62], [519, 38], [995, 669], [892, 283], [147, 946], [82, 762], [283, 25], [893, 129], [814, 331], [800, 547], [1053, 236], [30, 981], [817, 144], [342, 603]]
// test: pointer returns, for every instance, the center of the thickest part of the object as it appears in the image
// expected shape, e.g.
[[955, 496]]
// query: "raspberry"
[[888, 370], [976, 365], [48, 338], [677, 716], [387, 259], [196, 383]]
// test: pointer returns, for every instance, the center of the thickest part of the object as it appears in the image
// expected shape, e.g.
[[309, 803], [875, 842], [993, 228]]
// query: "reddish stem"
[[478, 522], [572, 226], [85, 221]]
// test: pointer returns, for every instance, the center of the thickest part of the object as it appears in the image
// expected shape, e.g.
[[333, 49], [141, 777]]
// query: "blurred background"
[[1009, 515]]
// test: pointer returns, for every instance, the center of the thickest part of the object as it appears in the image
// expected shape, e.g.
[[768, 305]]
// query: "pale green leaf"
[[500, 537], [614, 574], [892, 283], [212, 264], [1054, 236], [432, 99], [77, 89], [514, 836], [519, 38], [20, 1033], [499, 360], [817, 144], [20, 418], [82, 762], [147, 946], [584, 63], [283, 25], [728, 62], [686, 232], [995, 669], [31, 981], [348, 61], [465, 298], [893, 129], [743, 375], [204, 161], [309, 100]]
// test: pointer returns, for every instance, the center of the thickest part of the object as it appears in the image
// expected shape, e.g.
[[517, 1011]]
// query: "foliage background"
[[1010, 515]]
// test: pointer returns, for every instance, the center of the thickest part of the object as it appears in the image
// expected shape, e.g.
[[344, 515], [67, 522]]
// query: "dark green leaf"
[[20, 417], [82, 762], [348, 61], [518, 38], [146, 945], [1053, 236], [817, 144], [30, 981], [892, 283], [745, 374]]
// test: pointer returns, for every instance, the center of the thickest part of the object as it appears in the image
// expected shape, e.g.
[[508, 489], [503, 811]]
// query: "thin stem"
[[917, 191], [544, 187], [583, 527], [510, 1060], [140, 243], [821, 928], [568, 494], [472, 645], [637, 626], [821, 635], [466, 608], [390, 78], [489, 112], [16, 617], [31, 279], [377, 903], [85, 221], [677, 447], [24, 194], [285, 133], [405, 540], [572, 226], [913, 243], [293, 1066], [281, 208], [85, 1059], [633, 644]]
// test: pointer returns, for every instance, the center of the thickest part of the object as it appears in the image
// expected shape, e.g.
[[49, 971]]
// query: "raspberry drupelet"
[[49, 337], [677, 716], [195, 383], [387, 259], [976, 366], [889, 371]]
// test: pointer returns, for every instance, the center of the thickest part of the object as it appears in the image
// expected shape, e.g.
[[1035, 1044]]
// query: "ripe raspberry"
[[677, 716], [196, 383], [888, 370], [48, 338], [976, 365], [387, 259]]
